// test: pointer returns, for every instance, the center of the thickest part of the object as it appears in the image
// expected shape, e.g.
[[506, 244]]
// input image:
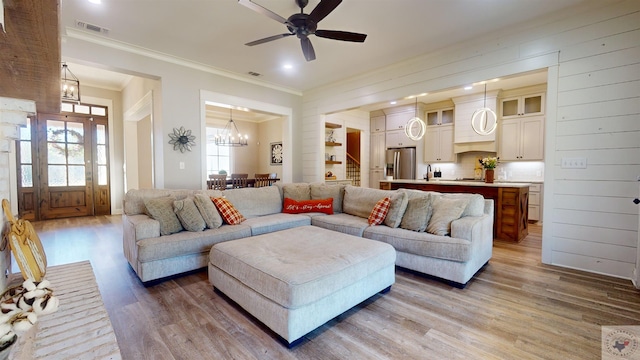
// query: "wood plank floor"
[[515, 308]]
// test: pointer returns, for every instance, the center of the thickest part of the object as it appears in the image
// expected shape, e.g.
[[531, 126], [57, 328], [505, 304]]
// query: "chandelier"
[[415, 123], [484, 120], [230, 135], [70, 85]]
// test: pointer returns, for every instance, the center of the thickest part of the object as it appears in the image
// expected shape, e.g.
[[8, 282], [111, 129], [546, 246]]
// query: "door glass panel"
[[55, 131], [102, 155], [81, 109], [56, 153], [25, 151], [98, 110], [66, 107], [102, 175], [510, 107], [25, 132], [75, 154], [26, 175], [76, 176], [101, 134], [75, 132], [57, 175]]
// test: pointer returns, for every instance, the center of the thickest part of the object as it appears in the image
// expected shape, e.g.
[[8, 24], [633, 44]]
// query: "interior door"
[[68, 174]]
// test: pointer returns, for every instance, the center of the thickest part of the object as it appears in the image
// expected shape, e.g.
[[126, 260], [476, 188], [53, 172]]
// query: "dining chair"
[[217, 182], [261, 180], [239, 180]]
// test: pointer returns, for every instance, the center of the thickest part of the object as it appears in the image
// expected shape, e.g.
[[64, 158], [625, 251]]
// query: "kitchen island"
[[511, 201]]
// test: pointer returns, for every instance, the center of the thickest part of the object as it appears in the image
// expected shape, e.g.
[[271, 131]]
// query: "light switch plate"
[[181, 165], [574, 163]]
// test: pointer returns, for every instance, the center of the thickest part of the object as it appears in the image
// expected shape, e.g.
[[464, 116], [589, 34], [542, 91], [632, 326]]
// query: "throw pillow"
[[322, 191], [379, 212], [208, 211], [306, 206], [161, 209], [229, 213], [188, 214], [445, 210], [297, 191], [417, 215]]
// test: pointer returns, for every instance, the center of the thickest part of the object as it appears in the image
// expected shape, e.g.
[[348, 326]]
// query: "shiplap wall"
[[593, 223], [593, 110]]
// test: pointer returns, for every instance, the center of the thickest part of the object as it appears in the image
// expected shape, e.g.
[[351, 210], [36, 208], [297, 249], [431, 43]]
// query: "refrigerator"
[[401, 163]]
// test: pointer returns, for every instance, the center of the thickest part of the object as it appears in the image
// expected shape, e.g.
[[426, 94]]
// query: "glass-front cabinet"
[[527, 105]]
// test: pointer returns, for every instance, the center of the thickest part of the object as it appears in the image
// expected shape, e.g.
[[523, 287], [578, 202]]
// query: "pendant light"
[[70, 85], [415, 122], [484, 121], [231, 136]]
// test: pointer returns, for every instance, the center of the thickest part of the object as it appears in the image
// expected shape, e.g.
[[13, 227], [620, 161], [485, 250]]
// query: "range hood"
[[484, 146]]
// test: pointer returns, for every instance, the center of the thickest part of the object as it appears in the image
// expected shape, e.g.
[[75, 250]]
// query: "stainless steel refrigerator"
[[401, 163]]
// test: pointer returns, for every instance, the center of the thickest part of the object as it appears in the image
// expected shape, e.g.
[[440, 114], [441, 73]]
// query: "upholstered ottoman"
[[297, 279]]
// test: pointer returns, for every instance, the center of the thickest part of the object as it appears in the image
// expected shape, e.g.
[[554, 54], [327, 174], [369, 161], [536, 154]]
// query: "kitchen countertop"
[[460, 183]]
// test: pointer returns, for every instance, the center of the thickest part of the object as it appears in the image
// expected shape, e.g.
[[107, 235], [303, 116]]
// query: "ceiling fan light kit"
[[302, 25]]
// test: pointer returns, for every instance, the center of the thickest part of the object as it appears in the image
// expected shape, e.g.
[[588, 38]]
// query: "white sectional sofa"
[[456, 257]]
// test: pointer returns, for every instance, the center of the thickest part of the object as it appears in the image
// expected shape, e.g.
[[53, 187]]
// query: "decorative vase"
[[488, 176]]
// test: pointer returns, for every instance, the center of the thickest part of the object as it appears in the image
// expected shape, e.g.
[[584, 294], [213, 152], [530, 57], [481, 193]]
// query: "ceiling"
[[213, 32]]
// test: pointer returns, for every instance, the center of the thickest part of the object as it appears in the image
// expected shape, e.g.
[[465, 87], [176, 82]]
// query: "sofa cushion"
[[323, 191], [344, 223], [360, 201], [276, 222], [417, 215], [189, 215], [161, 209], [422, 243], [252, 202], [379, 212], [208, 211], [297, 191], [229, 213], [475, 203], [134, 198], [445, 210], [291, 206]]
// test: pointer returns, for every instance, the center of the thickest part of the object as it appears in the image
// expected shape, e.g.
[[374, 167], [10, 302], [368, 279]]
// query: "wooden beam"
[[30, 53]]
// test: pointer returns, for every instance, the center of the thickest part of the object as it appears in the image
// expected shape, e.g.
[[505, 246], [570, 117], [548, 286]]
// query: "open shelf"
[[328, 143], [333, 162], [332, 126]]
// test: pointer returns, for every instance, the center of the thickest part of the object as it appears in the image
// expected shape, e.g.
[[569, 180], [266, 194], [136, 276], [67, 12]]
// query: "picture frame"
[[276, 153]]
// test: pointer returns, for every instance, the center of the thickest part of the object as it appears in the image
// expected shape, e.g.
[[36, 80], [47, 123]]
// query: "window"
[[25, 159], [218, 157]]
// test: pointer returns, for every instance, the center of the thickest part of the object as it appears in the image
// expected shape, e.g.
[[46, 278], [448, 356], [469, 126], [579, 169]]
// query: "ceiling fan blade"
[[341, 35], [264, 11], [324, 8], [267, 39], [307, 49]]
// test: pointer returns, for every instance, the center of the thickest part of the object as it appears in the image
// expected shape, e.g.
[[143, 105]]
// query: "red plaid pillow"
[[379, 211], [229, 214]]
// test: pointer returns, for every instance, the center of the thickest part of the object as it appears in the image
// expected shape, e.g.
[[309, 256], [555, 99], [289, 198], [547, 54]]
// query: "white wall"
[[593, 104], [269, 132]]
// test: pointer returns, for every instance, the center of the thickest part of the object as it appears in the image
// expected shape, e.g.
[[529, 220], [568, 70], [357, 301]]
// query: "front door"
[[70, 168]]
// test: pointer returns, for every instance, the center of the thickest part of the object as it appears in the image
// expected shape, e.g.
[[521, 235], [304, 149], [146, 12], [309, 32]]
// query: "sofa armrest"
[[134, 228], [469, 227]]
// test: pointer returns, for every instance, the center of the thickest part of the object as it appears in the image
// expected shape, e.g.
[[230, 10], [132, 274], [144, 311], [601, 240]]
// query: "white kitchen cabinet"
[[438, 144], [397, 121], [398, 139], [378, 124], [521, 139], [535, 202], [526, 105], [439, 117], [377, 151], [374, 178]]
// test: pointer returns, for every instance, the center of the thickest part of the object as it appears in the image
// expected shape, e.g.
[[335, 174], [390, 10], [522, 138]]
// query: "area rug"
[[80, 329]]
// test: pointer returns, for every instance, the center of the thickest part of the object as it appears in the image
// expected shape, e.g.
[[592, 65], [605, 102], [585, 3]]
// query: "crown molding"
[[138, 50]]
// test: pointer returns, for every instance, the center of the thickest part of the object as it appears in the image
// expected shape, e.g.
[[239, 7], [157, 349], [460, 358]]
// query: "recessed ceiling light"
[[95, 1], [287, 66], [393, 102], [424, 94], [468, 87]]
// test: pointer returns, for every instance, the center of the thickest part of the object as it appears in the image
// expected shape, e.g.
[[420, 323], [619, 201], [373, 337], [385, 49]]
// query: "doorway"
[[63, 165]]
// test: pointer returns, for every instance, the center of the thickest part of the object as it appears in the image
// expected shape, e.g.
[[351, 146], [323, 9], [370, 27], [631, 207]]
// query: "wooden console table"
[[511, 201]]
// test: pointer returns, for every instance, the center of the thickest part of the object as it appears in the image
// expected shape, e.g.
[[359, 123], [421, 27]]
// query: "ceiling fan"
[[302, 25]]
